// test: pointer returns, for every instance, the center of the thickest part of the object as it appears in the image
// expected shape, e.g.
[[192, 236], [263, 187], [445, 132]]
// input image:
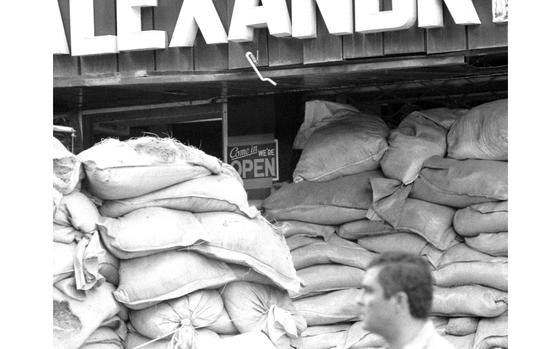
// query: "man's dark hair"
[[401, 271]]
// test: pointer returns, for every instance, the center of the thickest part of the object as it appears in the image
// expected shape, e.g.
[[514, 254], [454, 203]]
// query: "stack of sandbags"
[[180, 223]]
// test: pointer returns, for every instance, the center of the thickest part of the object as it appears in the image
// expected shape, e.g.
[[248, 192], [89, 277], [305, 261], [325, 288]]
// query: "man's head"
[[397, 286]]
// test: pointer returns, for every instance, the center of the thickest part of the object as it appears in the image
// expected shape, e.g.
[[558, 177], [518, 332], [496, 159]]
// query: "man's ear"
[[402, 300]]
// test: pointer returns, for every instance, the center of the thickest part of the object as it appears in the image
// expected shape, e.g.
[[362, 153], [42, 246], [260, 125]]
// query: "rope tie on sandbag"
[[182, 337]]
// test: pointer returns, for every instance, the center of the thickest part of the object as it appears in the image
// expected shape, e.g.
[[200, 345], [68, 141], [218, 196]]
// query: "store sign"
[[254, 159], [342, 17]]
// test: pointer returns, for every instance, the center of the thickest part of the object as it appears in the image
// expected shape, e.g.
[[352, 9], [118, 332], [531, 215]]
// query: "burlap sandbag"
[[75, 318], [66, 234], [489, 217], [336, 250], [221, 192], [406, 242], [420, 135], [63, 261], [463, 253], [492, 333], [472, 300], [253, 243], [330, 308], [461, 326], [119, 170], [364, 228], [351, 144], [327, 277], [463, 183], [335, 202], [146, 281], [290, 228], [254, 307], [482, 133], [67, 169], [103, 338], [491, 274], [203, 339], [296, 241], [461, 342], [150, 230], [109, 266], [494, 244], [78, 211], [343, 336]]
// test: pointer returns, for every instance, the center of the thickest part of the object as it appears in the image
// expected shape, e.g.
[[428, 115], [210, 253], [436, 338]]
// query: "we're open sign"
[[254, 159]]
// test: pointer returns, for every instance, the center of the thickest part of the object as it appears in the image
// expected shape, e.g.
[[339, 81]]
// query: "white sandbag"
[[203, 339], [461, 326], [482, 133], [317, 114], [327, 277], [489, 217], [406, 242], [75, 320], [109, 266], [330, 308], [103, 338], [357, 338], [492, 333], [463, 253], [420, 135], [297, 241], [494, 244], [344, 336], [491, 274], [336, 250], [182, 316], [338, 201], [253, 307], [66, 234], [363, 228], [473, 300], [254, 339], [351, 144], [221, 192], [67, 169], [254, 243], [146, 281], [120, 170], [289, 228], [150, 230], [78, 211], [439, 323], [63, 261], [461, 183], [461, 342]]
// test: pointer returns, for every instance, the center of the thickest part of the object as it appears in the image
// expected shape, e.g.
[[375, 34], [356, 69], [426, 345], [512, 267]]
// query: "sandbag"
[[75, 320], [494, 244], [182, 316], [330, 308], [343, 336], [253, 243], [463, 183], [253, 339], [203, 339], [351, 144], [363, 228], [289, 228], [327, 277], [66, 234], [63, 261], [489, 217], [253, 307], [461, 326], [297, 241], [463, 253], [103, 338], [109, 266], [492, 332], [67, 169], [472, 300], [335, 202], [78, 211], [406, 242], [460, 342], [221, 192], [336, 250], [119, 170], [150, 230], [491, 274], [420, 135], [146, 281], [482, 133]]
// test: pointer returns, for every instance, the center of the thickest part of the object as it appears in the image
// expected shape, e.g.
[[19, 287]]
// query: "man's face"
[[378, 313]]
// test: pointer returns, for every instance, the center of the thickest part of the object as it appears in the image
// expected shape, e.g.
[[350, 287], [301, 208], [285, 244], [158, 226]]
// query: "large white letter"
[[60, 42], [430, 12], [247, 15], [195, 14], [337, 16], [82, 31], [130, 36], [370, 19]]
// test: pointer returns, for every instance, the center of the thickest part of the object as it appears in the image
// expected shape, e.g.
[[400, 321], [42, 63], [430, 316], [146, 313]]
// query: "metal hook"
[[253, 61]]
